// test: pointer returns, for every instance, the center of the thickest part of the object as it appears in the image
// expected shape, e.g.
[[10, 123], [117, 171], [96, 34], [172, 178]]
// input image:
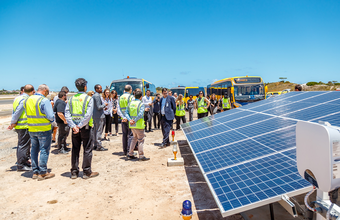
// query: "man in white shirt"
[[147, 101]]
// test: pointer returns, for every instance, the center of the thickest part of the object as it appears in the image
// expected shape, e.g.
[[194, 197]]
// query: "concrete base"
[[178, 162]]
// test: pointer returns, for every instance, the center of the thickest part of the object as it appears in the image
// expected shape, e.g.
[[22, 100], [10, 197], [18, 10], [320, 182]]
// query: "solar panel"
[[247, 155]]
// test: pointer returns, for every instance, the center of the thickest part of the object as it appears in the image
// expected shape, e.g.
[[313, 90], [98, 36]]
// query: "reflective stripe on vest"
[[37, 121], [134, 108], [78, 106], [225, 103], [180, 111], [201, 105], [22, 121]]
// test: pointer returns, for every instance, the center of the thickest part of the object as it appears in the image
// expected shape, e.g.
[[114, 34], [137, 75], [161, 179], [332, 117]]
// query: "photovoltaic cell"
[[248, 154], [235, 153], [216, 140]]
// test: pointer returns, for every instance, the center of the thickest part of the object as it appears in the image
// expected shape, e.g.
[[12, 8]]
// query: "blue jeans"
[[41, 142]]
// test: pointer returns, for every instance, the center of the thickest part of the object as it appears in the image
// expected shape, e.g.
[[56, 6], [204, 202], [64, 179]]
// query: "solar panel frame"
[[284, 134]]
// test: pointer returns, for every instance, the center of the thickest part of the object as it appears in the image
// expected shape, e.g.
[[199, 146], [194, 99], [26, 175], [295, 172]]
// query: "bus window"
[[193, 91], [119, 86], [152, 89]]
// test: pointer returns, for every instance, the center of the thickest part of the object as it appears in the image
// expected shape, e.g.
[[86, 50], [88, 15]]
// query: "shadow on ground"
[[204, 201]]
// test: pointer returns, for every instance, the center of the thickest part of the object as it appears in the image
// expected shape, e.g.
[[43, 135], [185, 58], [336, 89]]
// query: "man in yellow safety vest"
[[40, 115], [78, 113], [135, 114], [123, 102], [19, 122]]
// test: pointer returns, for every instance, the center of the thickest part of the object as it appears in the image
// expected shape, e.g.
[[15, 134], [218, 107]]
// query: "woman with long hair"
[[106, 98], [180, 111], [213, 104], [114, 97]]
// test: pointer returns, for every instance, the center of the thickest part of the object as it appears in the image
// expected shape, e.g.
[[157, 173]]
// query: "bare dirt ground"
[[123, 190]]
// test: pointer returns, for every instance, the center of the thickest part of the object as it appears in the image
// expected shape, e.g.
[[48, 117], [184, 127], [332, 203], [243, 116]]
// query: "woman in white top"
[[106, 98]]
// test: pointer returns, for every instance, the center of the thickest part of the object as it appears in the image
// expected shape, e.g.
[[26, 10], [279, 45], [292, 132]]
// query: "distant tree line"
[[330, 83]]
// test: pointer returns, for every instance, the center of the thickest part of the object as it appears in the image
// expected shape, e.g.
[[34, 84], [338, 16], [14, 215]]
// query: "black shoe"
[[131, 157], [163, 145], [101, 149], [23, 168], [67, 149], [62, 151], [53, 141], [95, 148], [146, 131], [150, 130], [144, 159]]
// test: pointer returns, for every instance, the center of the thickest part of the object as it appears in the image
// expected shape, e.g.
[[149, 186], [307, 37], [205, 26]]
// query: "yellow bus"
[[142, 84], [187, 91], [241, 89]]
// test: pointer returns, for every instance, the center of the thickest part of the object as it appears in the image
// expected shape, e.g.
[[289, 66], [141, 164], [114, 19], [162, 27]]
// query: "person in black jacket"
[[157, 111], [213, 104]]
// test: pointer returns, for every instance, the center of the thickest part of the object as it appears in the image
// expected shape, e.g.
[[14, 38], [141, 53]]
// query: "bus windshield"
[[193, 91], [246, 92], [178, 91], [119, 86]]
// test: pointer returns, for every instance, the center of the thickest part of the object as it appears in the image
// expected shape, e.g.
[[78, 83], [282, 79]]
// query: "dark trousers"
[[84, 135], [148, 119], [108, 122], [202, 115], [98, 125], [24, 147], [166, 127], [115, 121], [127, 136], [178, 121], [158, 117], [64, 130]]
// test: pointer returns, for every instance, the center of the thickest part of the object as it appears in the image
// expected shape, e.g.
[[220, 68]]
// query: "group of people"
[[87, 113]]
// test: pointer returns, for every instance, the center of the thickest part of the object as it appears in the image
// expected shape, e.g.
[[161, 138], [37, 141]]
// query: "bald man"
[[19, 122]]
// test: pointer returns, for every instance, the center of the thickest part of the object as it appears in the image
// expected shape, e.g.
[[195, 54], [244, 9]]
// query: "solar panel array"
[[247, 155]]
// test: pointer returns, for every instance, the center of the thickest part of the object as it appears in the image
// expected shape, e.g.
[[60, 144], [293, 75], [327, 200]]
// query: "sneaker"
[[144, 159], [93, 174], [53, 141], [131, 157], [62, 151], [35, 176], [150, 130], [117, 135], [23, 168], [101, 149], [74, 176], [45, 176]]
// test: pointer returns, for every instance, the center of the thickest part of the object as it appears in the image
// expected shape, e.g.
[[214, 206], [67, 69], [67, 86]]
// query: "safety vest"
[[22, 122], [78, 106], [91, 122], [134, 108], [226, 103], [37, 121], [124, 101], [180, 111], [201, 105]]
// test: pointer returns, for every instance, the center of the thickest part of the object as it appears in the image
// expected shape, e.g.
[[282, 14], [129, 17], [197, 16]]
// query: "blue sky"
[[169, 43]]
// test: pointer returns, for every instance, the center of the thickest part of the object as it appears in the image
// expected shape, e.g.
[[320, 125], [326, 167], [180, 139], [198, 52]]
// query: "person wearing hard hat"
[[19, 122], [78, 114], [40, 116]]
